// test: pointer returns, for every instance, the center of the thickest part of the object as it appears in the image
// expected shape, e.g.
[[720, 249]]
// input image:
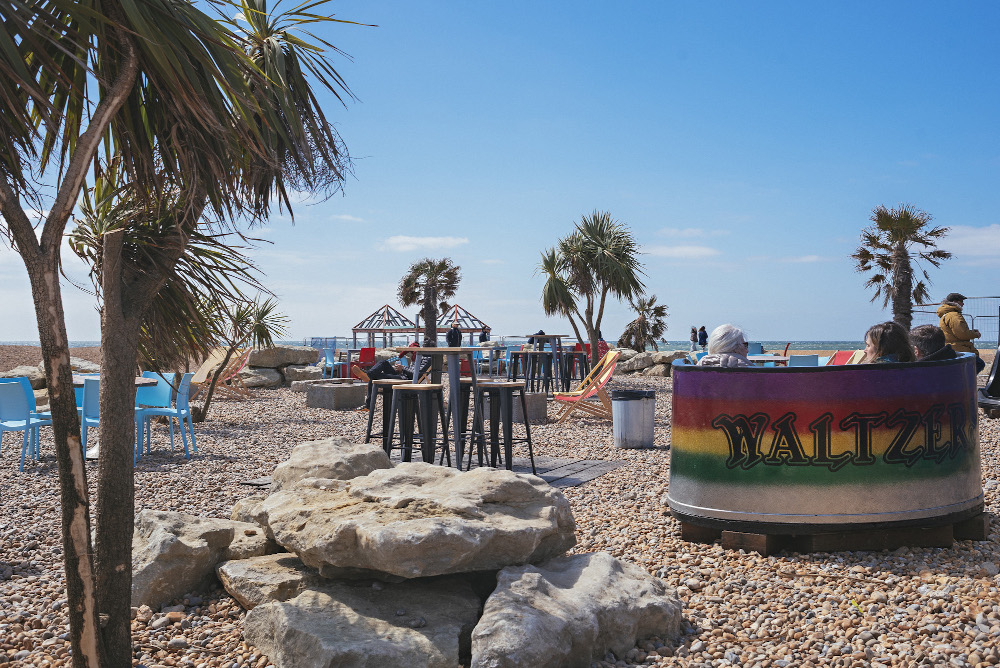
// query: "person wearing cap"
[[956, 332]]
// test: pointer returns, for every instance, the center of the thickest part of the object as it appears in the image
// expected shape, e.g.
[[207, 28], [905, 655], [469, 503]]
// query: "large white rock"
[[658, 370], [570, 611], [636, 363], [418, 520], [34, 374], [417, 624], [668, 357], [272, 577], [625, 354], [175, 553], [294, 372], [336, 458], [280, 356], [261, 377]]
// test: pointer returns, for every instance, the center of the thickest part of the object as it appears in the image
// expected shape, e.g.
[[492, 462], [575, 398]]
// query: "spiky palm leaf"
[[648, 327], [891, 248], [431, 283]]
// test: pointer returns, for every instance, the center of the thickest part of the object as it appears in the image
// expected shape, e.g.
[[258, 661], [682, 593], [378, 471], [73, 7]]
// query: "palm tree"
[[599, 258], [209, 118], [648, 327], [888, 248], [429, 283]]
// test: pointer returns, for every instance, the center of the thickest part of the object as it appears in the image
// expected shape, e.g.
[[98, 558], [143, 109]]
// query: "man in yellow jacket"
[[956, 332]]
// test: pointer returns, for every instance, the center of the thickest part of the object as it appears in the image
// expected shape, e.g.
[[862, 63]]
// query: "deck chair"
[[856, 357], [839, 357], [230, 384], [591, 386]]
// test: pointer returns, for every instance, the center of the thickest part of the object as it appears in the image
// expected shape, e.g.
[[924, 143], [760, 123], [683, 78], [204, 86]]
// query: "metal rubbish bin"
[[632, 418]]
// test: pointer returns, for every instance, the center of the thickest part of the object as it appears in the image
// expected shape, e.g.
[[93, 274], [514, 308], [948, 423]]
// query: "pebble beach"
[[908, 607]]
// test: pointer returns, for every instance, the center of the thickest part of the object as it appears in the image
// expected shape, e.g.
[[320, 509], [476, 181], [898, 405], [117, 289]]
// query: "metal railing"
[[982, 313]]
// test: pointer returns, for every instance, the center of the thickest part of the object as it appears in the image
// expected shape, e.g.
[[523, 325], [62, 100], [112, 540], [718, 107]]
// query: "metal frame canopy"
[[387, 321], [468, 323]]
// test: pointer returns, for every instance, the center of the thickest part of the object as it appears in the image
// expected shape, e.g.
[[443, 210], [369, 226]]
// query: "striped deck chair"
[[591, 386], [230, 384]]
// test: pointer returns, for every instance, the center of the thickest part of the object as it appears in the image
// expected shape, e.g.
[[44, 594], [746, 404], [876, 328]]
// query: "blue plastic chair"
[[803, 360], [181, 411], [16, 415], [157, 396], [330, 363], [90, 415], [755, 348], [44, 418]]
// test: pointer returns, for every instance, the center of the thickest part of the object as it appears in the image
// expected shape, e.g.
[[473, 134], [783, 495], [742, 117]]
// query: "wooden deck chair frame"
[[230, 385], [592, 385]]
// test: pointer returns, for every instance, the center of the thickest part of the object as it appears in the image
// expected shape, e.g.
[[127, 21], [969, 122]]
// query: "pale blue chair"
[[16, 415], [43, 419], [755, 348], [90, 409], [803, 360], [330, 363], [181, 411], [156, 396]]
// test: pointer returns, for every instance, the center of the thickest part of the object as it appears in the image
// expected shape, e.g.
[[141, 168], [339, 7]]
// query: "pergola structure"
[[388, 322], [468, 323]]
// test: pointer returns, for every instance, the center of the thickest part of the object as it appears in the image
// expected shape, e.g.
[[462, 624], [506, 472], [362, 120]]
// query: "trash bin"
[[632, 418]]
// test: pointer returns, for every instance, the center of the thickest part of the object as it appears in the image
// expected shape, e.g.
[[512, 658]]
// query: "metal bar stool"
[[501, 396], [539, 371], [375, 388], [416, 400]]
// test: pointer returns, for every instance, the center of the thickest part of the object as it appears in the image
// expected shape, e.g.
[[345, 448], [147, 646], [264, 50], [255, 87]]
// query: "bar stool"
[[417, 400], [539, 363], [501, 396], [375, 388]]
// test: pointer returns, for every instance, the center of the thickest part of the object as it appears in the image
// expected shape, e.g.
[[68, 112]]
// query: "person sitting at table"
[[887, 342], [929, 345], [396, 370], [484, 335], [536, 345], [727, 347]]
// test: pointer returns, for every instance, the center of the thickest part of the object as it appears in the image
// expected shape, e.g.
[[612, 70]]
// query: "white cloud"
[[964, 241], [492, 261], [402, 244], [349, 218], [803, 258], [689, 232], [681, 252]]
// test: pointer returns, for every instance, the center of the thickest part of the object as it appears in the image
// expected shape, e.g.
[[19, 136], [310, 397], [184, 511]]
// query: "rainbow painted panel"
[[865, 443]]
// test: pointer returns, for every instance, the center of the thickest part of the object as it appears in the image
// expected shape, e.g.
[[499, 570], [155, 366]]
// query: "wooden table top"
[[140, 381]]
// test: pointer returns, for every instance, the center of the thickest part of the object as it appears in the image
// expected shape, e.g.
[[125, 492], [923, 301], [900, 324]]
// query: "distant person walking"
[[694, 338], [703, 338], [956, 331], [454, 336]]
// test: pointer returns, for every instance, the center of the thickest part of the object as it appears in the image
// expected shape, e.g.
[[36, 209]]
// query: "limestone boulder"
[[80, 365], [658, 370], [261, 377], [175, 553], [34, 374], [668, 357], [625, 354], [245, 510], [336, 458], [280, 356], [570, 611], [272, 577], [294, 372], [418, 624], [418, 520], [637, 362]]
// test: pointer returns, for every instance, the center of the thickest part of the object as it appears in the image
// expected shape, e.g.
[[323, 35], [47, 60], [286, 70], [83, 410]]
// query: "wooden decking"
[[557, 471]]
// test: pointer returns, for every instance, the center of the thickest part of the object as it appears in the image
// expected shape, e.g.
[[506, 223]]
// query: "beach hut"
[[468, 323], [388, 322]]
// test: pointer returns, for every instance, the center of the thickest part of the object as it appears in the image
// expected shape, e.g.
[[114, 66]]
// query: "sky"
[[743, 144]]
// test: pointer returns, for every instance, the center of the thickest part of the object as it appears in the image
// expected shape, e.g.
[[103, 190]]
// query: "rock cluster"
[[647, 363], [281, 365], [416, 565]]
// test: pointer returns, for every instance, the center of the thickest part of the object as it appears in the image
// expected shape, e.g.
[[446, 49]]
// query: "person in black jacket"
[[454, 336], [703, 338], [928, 344]]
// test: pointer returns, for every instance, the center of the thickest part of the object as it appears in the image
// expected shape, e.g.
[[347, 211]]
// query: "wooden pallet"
[[887, 538]]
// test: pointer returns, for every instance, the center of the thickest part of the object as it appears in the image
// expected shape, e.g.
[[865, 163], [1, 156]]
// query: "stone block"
[[336, 396], [303, 385], [295, 372], [279, 356]]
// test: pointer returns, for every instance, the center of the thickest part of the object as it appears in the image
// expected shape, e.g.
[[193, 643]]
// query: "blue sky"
[[745, 145]]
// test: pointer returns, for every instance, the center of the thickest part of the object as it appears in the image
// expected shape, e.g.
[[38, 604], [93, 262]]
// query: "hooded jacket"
[[956, 331], [726, 360]]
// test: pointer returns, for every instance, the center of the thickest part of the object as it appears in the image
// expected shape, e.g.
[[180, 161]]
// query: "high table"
[[555, 347], [453, 356]]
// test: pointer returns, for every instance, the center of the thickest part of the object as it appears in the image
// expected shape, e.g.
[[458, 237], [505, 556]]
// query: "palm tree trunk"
[[902, 298], [116, 475]]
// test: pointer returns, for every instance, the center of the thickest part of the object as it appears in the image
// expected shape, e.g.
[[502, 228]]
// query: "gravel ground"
[[908, 607], [14, 356]]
